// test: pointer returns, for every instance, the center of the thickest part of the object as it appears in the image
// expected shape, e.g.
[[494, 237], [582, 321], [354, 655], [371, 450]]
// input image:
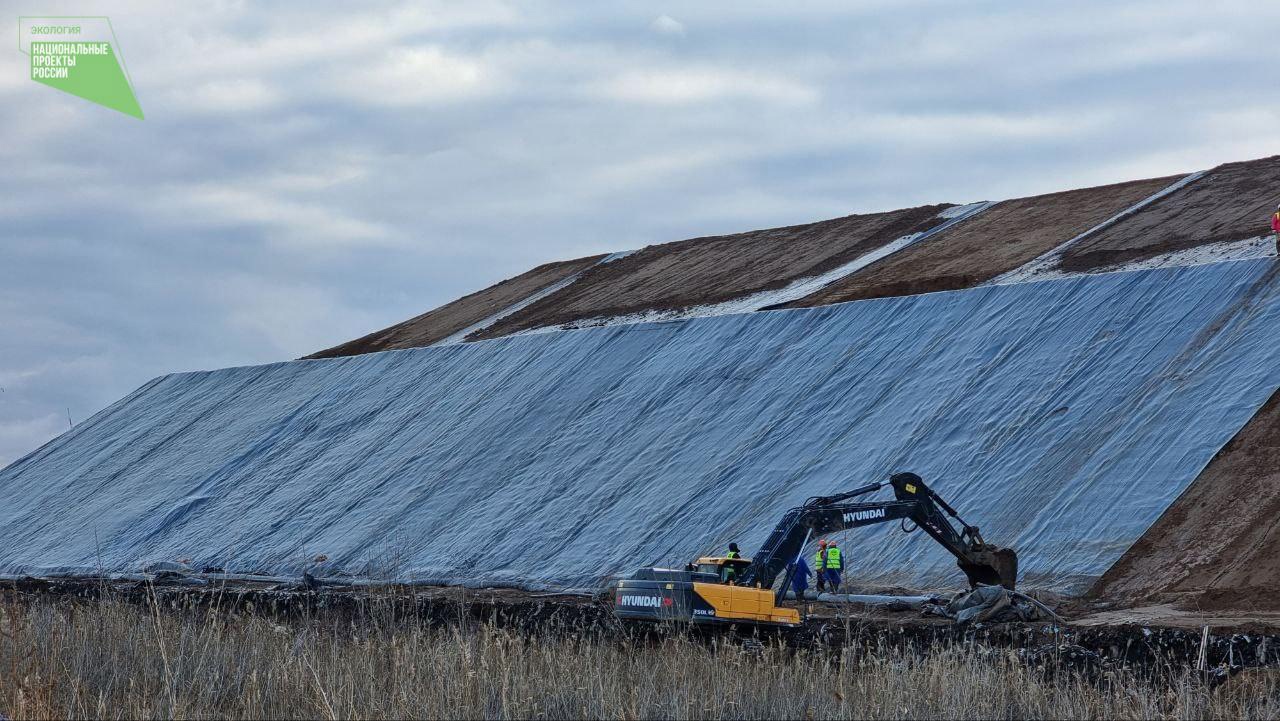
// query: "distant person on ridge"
[[1275, 228]]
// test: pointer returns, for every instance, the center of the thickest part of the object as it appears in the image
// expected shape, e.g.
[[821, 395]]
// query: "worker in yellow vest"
[[835, 564], [731, 571], [820, 565]]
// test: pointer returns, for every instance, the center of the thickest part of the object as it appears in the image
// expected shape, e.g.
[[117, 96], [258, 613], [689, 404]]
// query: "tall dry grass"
[[110, 659]]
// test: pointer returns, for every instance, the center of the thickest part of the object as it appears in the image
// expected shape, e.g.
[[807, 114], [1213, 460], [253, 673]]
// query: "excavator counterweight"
[[700, 592]]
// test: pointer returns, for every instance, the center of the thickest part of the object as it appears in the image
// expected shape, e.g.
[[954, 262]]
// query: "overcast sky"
[[306, 173]]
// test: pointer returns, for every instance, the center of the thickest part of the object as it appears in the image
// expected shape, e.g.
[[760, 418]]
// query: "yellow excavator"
[[705, 592]]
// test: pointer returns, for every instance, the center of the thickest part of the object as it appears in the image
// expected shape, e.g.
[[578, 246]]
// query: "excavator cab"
[[726, 569]]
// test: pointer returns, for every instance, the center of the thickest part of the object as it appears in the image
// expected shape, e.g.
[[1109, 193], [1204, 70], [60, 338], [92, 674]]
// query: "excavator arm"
[[667, 594], [915, 501]]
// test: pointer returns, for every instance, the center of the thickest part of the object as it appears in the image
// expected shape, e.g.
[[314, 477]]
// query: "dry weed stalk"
[[112, 659]]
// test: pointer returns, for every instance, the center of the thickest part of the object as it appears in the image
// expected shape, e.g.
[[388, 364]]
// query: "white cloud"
[[231, 96], [703, 84], [315, 179], [310, 225], [659, 167], [667, 25], [944, 128], [414, 75], [284, 40], [285, 318]]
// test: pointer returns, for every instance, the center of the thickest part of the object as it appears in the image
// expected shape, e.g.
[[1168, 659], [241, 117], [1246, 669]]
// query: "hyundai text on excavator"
[[699, 593]]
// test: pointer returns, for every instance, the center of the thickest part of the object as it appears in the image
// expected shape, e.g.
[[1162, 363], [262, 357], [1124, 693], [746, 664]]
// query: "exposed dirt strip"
[[1004, 237], [438, 324], [1232, 202], [704, 271]]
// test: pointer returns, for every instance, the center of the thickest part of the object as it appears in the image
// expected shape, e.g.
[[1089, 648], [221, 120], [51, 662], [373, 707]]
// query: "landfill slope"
[[1002, 238], [1062, 417], [1218, 545], [436, 325], [1232, 202], [705, 271]]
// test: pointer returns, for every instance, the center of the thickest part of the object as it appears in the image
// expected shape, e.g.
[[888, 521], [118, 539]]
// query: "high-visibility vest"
[[730, 573], [833, 558], [820, 559]]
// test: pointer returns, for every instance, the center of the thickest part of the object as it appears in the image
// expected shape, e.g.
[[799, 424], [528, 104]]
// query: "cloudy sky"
[[307, 173]]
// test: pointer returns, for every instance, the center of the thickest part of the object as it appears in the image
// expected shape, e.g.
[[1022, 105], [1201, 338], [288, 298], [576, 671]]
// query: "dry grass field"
[[116, 660]]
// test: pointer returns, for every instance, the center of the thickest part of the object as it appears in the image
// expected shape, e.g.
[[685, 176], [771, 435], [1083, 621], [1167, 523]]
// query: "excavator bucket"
[[1006, 566], [993, 566]]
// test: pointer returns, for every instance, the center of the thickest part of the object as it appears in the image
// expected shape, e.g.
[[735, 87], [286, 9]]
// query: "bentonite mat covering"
[[1062, 417]]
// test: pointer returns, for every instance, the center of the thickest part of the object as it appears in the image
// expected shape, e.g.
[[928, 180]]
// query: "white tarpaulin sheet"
[[1062, 417]]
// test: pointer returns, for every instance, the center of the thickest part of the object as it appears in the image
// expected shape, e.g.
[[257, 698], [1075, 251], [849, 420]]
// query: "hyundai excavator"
[[715, 590]]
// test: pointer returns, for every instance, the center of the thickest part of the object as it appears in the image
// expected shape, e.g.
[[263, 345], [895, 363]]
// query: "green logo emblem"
[[80, 56]]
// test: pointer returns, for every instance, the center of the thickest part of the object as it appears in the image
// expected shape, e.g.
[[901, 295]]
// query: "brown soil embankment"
[[1002, 238], [1218, 545], [448, 319], [715, 269], [1231, 202]]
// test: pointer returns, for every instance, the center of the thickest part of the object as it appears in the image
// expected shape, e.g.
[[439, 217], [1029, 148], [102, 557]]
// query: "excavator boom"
[[981, 563]]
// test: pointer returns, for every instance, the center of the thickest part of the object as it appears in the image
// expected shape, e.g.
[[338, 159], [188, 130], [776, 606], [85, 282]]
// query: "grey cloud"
[[667, 25], [307, 173]]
